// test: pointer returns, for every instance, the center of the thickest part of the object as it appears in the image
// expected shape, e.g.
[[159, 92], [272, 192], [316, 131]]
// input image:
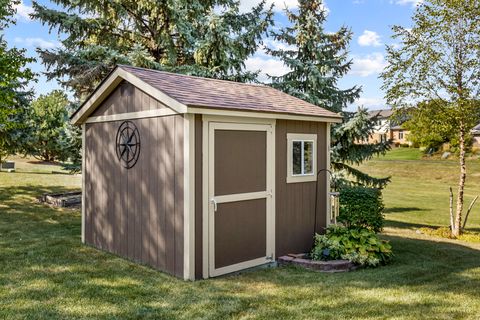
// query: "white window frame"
[[302, 137]]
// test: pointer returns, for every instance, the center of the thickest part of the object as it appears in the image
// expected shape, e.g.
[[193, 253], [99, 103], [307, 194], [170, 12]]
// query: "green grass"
[[403, 154], [47, 274], [418, 194]]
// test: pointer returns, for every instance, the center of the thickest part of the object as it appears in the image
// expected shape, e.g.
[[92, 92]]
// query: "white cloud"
[[369, 38], [269, 66], [370, 103], [37, 43], [414, 3], [370, 64], [23, 11]]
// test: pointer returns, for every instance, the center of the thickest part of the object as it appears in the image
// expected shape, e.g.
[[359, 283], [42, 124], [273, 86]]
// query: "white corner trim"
[[301, 137], [189, 198], [132, 115], [261, 115], [327, 186], [154, 92], [205, 202], [111, 82], [83, 181]]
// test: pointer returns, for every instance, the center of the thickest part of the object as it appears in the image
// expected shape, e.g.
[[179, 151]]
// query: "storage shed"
[[199, 177]]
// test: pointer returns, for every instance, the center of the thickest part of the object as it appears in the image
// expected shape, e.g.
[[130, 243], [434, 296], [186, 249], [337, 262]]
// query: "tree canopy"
[[14, 78], [50, 132], [317, 60], [206, 38], [437, 60]]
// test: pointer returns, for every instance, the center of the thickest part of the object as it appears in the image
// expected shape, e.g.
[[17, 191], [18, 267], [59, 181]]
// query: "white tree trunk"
[[461, 183]]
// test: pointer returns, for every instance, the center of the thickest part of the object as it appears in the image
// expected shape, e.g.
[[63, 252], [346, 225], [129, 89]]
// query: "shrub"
[[361, 207], [360, 246]]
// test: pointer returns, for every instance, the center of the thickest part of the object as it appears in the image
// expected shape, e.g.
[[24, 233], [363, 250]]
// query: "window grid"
[[302, 157]]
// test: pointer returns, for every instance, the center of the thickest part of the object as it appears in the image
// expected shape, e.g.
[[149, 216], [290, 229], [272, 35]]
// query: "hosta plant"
[[358, 245]]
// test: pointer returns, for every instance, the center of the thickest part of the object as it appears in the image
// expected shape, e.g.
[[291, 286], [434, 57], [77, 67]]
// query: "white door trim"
[[210, 124]]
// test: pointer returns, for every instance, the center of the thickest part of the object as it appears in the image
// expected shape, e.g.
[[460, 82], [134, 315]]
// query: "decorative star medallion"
[[128, 144]]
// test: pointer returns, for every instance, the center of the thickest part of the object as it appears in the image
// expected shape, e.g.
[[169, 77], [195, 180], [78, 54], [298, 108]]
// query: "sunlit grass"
[[46, 273]]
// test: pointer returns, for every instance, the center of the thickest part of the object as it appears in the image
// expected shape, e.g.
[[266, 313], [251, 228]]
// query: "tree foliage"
[[206, 38], [433, 123], [51, 136], [14, 97], [437, 61], [317, 61]]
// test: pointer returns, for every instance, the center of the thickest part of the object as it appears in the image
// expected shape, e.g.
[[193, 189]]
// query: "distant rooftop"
[[382, 114]]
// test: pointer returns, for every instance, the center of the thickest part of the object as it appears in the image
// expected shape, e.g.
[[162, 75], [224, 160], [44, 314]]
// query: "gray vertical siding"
[[127, 98], [137, 213], [295, 202]]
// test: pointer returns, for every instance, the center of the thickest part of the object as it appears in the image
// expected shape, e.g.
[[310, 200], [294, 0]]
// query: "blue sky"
[[370, 21]]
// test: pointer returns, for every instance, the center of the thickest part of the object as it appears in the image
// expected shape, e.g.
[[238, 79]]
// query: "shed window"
[[301, 157]]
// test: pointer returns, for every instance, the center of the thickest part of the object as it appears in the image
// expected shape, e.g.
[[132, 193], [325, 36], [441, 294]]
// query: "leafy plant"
[[51, 136], [361, 207], [358, 245]]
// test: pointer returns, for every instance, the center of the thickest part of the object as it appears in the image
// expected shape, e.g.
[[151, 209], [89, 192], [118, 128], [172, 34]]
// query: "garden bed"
[[322, 266], [62, 200]]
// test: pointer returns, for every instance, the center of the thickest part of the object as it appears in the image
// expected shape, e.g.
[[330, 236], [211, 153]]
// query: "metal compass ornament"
[[128, 144]]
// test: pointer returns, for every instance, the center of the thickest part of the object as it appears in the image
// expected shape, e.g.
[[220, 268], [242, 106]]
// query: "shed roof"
[[198, 92]]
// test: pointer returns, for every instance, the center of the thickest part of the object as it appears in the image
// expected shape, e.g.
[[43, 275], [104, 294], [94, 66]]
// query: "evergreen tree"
[[317, 60], [207, 38], [14, 77]]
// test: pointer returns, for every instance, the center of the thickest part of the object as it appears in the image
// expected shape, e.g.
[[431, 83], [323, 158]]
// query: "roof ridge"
[[196, 77]]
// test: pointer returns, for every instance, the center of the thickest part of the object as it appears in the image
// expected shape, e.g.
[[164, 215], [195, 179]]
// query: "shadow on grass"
[[34, 191], [48, 273], [402, 209]]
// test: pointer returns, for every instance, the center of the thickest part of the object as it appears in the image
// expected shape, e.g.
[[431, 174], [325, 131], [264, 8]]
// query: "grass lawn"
[[46, 273]]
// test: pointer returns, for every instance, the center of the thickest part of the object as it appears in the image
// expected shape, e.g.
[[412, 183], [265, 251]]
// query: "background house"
[[476, 136], [387, 129]]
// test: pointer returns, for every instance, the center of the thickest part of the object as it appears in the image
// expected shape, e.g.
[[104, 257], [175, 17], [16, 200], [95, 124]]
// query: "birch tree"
[[437, 59]]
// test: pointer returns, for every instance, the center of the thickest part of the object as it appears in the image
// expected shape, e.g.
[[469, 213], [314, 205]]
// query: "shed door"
[[240, 196]]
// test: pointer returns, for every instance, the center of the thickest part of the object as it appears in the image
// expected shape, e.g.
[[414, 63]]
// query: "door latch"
[[214, 204]]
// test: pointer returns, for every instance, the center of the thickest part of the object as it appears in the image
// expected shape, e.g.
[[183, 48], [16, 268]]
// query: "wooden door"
[[240, 195]]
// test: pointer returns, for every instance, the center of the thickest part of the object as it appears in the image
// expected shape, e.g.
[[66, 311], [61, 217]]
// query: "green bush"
[[361, 207], [360, 246]]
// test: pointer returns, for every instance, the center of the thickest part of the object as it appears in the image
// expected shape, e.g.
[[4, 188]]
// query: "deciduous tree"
[[14, 77], [437, 60]]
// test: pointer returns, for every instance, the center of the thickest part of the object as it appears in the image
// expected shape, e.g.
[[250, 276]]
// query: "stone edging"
[[322, 266]]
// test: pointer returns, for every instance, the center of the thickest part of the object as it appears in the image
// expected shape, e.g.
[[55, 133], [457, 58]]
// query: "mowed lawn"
[[46, 273], [419, 192]]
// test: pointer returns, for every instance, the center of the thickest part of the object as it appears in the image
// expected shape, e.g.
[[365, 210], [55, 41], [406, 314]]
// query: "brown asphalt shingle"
[[220, 94]]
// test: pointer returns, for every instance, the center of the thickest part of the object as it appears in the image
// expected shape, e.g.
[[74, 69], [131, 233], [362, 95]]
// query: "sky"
[[369, 20]]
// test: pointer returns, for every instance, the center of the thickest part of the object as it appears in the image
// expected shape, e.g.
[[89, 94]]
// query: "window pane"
[[308, 157], [297, 157]]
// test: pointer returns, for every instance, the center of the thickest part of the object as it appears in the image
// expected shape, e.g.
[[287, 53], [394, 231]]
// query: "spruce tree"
[[317, 60], [207, 38]]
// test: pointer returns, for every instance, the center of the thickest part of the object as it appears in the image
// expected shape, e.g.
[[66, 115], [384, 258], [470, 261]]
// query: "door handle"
[[214, 204]]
